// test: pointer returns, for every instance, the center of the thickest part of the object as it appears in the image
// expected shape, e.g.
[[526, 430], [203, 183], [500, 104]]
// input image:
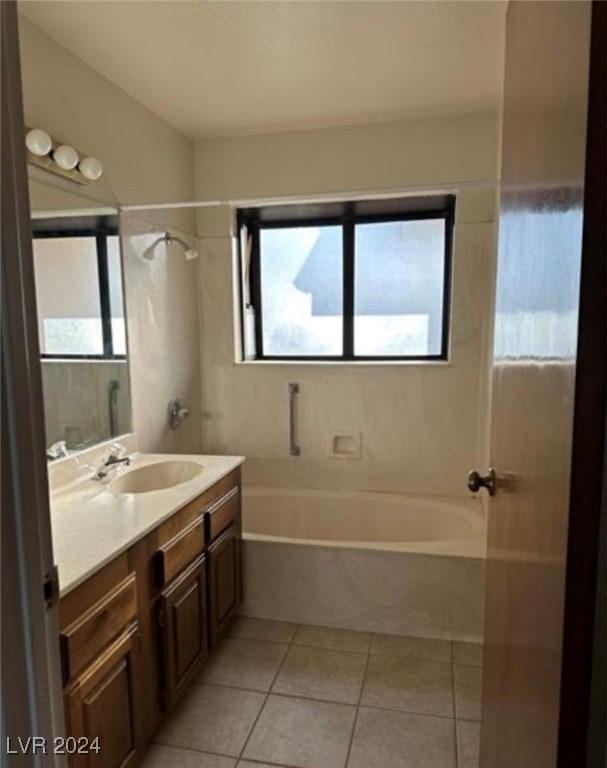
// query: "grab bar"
[[294, 449], [112, 394]]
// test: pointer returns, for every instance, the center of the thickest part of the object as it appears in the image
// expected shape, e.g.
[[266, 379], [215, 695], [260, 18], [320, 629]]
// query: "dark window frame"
[[348, 217], [102, 228]]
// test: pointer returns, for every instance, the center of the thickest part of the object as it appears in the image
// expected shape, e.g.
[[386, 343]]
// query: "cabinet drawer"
[[84, 638], [224, 512], [180, 551]]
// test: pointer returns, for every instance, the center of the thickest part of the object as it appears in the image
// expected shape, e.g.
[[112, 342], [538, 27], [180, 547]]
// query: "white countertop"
[[91, 526]]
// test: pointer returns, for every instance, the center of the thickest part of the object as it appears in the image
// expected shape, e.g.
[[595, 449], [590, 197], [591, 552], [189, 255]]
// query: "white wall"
[[367, 158], [145, 161], [422, 425]]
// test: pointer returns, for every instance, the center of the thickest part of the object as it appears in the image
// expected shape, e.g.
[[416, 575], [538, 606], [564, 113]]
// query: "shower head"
[[168, 238]]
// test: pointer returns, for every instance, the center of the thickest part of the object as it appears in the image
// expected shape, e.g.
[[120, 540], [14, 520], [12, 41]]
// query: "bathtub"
[[378, 562]]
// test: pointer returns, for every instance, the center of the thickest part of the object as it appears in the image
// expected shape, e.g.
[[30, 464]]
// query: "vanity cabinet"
[[225, 568], [224, 582], [136, 633], [101, 707], [182, 619], [100, 653]]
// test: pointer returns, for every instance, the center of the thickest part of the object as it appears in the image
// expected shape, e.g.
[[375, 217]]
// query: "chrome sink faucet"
[[116, 457]]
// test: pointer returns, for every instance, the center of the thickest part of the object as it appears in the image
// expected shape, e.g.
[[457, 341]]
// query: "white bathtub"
[[370, 561]]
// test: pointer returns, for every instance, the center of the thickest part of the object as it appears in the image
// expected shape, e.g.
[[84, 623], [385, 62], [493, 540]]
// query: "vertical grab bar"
[[113, 387], [294, 449]]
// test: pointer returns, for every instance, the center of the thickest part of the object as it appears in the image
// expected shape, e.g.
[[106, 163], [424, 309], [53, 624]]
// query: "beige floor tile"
[[262, 629], [424, 687], [468, 744], [159, 756], [212, 719], [468, 654], [320, 674], [333, 639], [397, 740], [468, 685], [300, 733], [251, 664], [426, 649]]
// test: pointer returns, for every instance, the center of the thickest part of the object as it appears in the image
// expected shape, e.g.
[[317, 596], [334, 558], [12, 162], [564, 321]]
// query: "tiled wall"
[[423, 426], [76, 400], [163, 330]]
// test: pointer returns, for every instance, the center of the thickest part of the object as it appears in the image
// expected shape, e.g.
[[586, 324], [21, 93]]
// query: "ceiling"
[[224, 68]]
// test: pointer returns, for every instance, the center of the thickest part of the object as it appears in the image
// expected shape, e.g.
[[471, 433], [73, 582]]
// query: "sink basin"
[[155, 477]]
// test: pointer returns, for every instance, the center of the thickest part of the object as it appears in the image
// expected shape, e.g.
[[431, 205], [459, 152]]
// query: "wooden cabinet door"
[[101, 704], [183, 626], [224, 581]]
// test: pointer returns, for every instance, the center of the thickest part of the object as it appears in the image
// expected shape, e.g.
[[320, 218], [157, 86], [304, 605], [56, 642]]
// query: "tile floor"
[[278, 694]]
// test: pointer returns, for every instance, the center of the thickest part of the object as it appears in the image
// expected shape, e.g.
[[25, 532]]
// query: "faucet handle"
[[117, 451], [176, 413], [57, 450]]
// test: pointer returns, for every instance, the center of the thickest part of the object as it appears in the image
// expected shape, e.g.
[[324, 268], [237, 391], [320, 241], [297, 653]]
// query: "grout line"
[[190, 749], [360, 696], [456, 751], [412, 658], [263, 704], [352, 737], [268, 762]]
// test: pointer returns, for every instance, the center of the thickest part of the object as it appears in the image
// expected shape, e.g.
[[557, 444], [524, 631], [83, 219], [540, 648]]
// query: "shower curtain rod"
[[320, 198]]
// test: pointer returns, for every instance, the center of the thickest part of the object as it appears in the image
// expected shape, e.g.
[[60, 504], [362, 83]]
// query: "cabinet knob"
[[476, 481]]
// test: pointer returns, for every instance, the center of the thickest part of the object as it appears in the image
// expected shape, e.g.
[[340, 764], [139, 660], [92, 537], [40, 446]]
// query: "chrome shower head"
[[168, 238]]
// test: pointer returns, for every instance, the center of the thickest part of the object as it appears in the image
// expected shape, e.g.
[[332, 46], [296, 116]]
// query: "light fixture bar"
[[60, 158]]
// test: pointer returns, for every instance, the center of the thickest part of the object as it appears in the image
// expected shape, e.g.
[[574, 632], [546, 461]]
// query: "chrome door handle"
[[476, 481]]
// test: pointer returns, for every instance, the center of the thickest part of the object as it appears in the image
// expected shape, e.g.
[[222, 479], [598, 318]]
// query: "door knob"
[[476, 481]]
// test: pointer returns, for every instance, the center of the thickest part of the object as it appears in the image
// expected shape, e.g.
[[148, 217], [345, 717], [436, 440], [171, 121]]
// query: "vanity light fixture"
[[60, 158]]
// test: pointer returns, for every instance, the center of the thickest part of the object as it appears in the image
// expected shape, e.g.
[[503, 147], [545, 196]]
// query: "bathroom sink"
[[155, 477]]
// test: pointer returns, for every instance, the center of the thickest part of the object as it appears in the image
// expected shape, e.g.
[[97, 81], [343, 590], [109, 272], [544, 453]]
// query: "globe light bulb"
[[38, 142], [66, 157], [90, 168]]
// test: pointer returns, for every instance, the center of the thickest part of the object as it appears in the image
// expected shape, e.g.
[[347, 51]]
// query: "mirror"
[[81, 318]]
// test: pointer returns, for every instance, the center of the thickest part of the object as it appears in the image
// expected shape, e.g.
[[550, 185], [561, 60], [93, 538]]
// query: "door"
[[183, 620], [547, 415], [224, 582], [101, 709]]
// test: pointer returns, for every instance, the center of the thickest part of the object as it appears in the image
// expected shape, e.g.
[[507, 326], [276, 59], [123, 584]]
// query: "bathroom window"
[[79, 289], [365, 280]]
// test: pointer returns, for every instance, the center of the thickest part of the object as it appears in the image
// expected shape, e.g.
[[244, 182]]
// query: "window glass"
[[301, 272], [399, 288], [347, 280], [67, 293]]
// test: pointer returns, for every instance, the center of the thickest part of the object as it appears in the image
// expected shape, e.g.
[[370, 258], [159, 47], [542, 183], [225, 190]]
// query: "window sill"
[[349, 363]]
